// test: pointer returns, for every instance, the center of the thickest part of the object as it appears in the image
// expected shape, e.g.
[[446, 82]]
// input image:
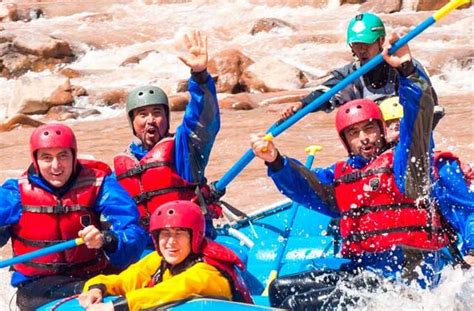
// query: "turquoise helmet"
[[365, 28], [146, 96]]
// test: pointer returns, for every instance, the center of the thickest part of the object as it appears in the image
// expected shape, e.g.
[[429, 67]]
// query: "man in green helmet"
[[365, 36], [159, 166]]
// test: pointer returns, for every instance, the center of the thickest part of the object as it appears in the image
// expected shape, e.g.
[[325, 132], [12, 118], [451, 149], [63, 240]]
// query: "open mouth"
[[150, 130], [367, 149]]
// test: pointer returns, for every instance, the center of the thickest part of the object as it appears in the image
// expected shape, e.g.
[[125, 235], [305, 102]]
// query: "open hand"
[[196, 46]]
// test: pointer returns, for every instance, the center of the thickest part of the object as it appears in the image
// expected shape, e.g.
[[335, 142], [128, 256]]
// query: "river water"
[[105, 35]]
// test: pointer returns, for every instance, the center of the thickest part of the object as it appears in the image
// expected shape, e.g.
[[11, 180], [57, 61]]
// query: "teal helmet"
[[365, 28], [146, 96]]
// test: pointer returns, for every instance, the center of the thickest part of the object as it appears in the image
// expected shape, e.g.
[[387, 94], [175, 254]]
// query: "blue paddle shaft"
[[38, 253], [309, 161], [321, 100]]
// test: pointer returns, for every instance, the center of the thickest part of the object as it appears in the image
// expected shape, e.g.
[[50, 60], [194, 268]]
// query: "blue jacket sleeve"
[[10, 204], [311, 188], [456, 201], [196, 134], [10, 208], [414, 151], [119, 214]]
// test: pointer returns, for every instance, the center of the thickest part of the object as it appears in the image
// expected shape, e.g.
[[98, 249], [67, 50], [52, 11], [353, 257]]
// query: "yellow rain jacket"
[[199, 279]]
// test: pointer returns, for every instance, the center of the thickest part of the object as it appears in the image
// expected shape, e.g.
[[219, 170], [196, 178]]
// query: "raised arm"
[[201, 122], [413, 152]]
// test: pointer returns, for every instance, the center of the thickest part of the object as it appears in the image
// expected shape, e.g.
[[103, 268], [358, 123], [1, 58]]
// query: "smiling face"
[[365, 52], [174, 244], [55, 165], [150, 124], [364, 138]]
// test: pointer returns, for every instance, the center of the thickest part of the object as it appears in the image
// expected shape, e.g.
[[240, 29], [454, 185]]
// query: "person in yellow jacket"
[[185, 264]]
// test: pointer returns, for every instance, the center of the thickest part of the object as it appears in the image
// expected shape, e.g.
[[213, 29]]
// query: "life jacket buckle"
[[352, 177], [142, 197], [136, 170], [59, 208]]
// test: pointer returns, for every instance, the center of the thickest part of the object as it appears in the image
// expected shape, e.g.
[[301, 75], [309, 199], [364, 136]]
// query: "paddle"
[[311, 150], [321, 100], [42, 252]]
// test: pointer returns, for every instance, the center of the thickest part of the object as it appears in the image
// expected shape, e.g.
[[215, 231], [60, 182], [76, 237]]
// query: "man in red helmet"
[[185, 263], [380, 195], [61, 197]]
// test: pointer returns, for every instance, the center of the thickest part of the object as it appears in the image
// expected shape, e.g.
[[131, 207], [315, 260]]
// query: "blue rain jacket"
[[456, 201]]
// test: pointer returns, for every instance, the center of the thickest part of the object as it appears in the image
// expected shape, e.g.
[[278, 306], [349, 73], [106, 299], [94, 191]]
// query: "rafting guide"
[[365, 36]]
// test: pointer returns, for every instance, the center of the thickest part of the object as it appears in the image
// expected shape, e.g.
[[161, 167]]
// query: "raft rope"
[[11, 301], [59, 303]]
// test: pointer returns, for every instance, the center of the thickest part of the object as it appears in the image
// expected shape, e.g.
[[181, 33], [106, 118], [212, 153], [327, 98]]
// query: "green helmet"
[[146, 96], [365, 28]]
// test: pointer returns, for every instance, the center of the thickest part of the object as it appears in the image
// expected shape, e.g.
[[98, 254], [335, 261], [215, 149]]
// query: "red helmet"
[[53, 135], [356, 111], [179, 214]]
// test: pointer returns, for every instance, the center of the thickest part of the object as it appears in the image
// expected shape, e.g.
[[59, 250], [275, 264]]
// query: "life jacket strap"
[[140, 168], [356, 175]]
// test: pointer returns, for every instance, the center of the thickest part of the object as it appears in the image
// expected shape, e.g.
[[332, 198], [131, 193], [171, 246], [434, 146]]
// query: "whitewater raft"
[[280, 239]]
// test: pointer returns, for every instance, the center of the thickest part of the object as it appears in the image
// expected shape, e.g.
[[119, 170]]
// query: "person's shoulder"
[[416, 62], [10, 183], [419, 65], [152, 260], [344, 70], [152, 256], [203, 266], [96, 165]]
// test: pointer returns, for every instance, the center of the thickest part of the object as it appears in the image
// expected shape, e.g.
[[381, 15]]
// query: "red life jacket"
[[376, 216], [153, 180], [47, 219], [225, 260]]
